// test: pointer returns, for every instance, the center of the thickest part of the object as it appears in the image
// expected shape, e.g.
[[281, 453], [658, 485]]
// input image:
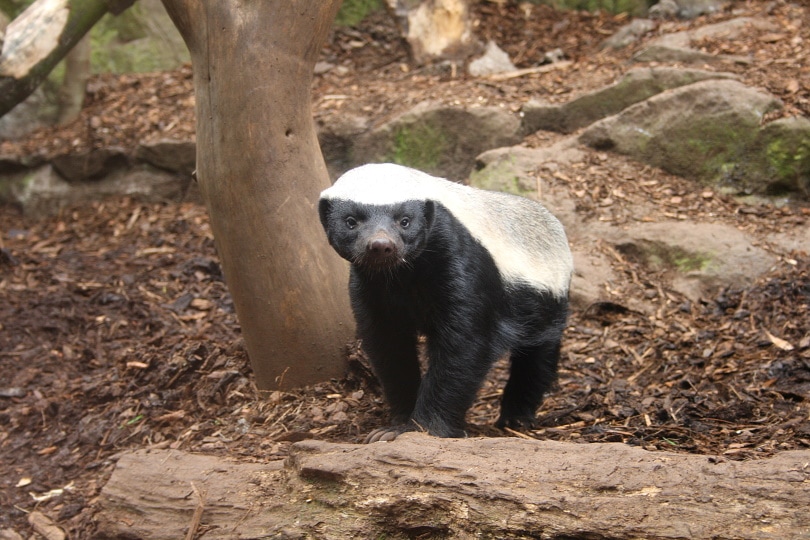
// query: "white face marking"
[[527, 243]]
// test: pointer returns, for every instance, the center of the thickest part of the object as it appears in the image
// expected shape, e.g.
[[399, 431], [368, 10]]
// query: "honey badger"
[[479, 274]]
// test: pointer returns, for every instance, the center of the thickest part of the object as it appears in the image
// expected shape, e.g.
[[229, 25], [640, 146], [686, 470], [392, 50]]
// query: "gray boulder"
[[495, 60], [635, 86], [629, 33], [168, 154], [337, 138], [438, 139], [699, 131], [42, 191], [661, 52], [676, 47], [92, 164], [699, 256], [686, 9], [778, 161]]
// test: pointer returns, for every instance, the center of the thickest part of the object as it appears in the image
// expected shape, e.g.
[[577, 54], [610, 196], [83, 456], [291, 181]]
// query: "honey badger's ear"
[[323, 211], [430, 213]]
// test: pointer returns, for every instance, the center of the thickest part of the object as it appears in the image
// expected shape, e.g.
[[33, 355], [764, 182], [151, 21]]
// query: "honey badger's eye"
[[405, 222], [351, 223]]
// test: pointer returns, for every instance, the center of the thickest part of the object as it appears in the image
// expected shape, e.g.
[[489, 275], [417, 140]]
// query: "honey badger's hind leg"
[[533, 372]]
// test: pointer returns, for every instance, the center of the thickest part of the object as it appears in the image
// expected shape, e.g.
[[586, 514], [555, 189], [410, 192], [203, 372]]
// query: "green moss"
[[418, 145], [685, 261], [634, 7], [791, 163], [705, 151], [352, 12], [503, 176], [661, 256]]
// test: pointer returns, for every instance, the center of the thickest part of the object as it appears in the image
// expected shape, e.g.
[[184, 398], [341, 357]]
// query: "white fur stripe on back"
[[527, 243]]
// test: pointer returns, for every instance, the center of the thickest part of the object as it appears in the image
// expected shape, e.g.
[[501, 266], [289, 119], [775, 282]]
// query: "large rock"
[[92, 164], [337, 139], [494, 60], [779, 159], [635, 86], [676, 47], [27, 116], [661, 52], [169, 154], [629, 33], [438, 139], [522, 171], [700, 257], [699, 131], [687, 9], [43, 191]]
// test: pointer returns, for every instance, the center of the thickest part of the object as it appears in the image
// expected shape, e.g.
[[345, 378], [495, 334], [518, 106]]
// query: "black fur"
[[428, 276]]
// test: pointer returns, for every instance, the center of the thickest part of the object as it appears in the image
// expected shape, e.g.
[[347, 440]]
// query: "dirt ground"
[[117, 331]]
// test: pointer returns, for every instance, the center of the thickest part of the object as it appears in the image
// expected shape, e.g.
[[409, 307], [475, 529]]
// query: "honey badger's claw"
[[387, 434]]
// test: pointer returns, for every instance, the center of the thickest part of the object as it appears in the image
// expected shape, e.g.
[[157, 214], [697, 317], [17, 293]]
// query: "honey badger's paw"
[[517, 423], [390, 433]]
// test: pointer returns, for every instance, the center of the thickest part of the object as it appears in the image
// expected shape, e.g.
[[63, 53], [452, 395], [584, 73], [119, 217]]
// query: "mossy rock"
[[662, 256], [633, 7], [352, 12], [700, 131], [635, 86], [505, 175], [419, 145], [778, 161], [438, 139]]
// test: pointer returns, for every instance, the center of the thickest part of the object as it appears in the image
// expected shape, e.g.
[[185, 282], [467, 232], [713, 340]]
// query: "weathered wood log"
[[428, 487]]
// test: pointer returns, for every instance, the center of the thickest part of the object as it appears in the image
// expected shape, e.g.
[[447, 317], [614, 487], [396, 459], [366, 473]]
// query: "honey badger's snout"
[[381, 246], [382, 250]]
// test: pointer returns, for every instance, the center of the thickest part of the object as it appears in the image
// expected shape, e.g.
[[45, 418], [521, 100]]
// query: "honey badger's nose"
[[381, 246]]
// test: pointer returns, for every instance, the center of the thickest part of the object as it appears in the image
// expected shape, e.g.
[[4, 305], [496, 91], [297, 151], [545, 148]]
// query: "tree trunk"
[[435, 29], [419, 486], [260, 171], [74, 84], [39, 38]]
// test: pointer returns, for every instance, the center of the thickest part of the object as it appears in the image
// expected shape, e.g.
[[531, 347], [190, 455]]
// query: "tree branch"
[[39, 38]]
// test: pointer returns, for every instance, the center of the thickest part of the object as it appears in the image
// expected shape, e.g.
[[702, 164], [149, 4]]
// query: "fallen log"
[[419, 486]]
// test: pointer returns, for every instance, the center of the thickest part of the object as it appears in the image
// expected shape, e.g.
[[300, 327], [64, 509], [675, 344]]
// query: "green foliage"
[[352, 12], [418, 145], [12, 8], [134, 42]]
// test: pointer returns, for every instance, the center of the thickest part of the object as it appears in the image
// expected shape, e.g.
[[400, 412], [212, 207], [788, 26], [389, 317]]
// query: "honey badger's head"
[[377, 237]]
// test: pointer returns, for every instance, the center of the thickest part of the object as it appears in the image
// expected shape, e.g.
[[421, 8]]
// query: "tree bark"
[[435, 29], [74, 84], [420, 486], [39, 38], [260, 171]]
